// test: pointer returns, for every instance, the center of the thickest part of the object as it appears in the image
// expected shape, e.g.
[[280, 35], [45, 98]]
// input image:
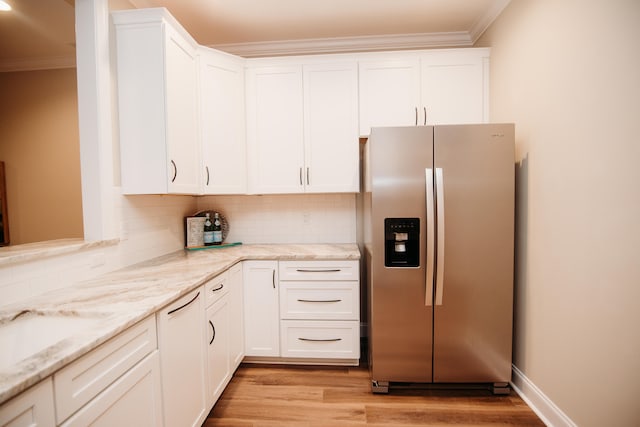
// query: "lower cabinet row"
[[171, 368]]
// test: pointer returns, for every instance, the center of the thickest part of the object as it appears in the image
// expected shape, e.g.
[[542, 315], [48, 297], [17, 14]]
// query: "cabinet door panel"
[[389, 93], [222, 124], [274, 130], [182, 362], [32, 408], [331, 128], [182, 134], [236, 317], [262, 321], [217, 349], [134, 399], [453, 88]]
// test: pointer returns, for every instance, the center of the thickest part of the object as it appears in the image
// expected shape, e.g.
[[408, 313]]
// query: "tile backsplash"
[[296, 218]]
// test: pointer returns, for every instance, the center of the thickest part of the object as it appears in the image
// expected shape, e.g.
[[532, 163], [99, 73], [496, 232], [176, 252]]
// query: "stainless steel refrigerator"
[[439, 224]]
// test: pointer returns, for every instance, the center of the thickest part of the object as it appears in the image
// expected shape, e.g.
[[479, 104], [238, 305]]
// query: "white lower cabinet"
[[320, 310], [236, 317], [134, 400], [32, 408], [217, 337], [182, 360], [261, 319]]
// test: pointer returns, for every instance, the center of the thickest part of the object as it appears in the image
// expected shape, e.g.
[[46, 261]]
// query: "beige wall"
[[39, 144], [567, 72]]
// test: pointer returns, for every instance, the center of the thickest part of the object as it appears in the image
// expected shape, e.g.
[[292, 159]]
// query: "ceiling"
[[40, 33]]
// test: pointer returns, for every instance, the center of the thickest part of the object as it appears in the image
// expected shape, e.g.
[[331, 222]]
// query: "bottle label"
[[208, 237], [217, 237]]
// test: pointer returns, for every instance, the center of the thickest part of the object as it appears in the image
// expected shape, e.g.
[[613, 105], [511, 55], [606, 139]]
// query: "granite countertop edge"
[[124, 297]]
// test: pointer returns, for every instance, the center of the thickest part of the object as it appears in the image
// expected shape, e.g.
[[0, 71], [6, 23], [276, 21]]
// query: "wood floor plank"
[[283, 396]]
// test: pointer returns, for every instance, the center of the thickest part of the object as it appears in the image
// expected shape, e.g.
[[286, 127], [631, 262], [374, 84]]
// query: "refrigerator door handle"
[[440, 244], [428, 298]]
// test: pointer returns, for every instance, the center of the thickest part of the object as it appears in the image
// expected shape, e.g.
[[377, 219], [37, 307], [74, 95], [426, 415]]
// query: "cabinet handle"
[[207, 168], [303, 270], [319, 300], [213, 329], [425, 115], [184, 305], [218, 288], [416, 108], [320, 340], [175, 171], [273, 278], [300, 176], [307, 176]]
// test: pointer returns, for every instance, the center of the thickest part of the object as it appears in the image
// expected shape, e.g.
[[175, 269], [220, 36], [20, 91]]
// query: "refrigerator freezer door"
[[400, 323], [472, 323]]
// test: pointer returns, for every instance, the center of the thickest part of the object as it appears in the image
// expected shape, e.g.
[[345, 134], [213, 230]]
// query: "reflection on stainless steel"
[[439, 213]]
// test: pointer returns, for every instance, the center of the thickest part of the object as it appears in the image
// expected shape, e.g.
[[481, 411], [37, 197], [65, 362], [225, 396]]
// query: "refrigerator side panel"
[[400, 323], [474, 305]]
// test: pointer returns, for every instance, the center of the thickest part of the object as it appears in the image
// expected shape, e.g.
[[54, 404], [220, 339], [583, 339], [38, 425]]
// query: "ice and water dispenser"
[[402, 242]]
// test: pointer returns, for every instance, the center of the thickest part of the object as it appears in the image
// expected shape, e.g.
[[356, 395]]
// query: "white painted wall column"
[[95, 119]]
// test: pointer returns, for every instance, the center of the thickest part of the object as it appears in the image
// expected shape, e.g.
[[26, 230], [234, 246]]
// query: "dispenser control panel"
[[402, 242]]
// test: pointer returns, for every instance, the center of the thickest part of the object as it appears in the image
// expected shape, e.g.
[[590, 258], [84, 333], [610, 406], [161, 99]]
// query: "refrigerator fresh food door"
[[400, 321], [474, 291]]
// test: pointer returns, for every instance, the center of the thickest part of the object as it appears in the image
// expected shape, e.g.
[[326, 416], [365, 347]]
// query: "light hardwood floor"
[[270, 395]]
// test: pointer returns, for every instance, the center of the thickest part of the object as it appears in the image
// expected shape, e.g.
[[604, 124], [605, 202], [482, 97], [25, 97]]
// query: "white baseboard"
[[544, 408]]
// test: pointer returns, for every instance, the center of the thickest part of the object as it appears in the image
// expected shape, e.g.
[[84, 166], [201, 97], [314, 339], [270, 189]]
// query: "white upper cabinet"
[[331, 127], [424, 88], [275, 129], [222, 123], [453, 87], [389, 93], [157, 100], [302, 127]]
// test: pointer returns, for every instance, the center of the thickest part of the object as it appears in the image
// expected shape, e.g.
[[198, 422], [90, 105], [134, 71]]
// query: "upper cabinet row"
[[194, 120]]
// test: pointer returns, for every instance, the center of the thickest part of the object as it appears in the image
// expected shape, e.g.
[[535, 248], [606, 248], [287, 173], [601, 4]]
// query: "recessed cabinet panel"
[[157, 103], [331, 128], [222, 123], [274, 130], [453, 88], [389, 93], [261, 314]]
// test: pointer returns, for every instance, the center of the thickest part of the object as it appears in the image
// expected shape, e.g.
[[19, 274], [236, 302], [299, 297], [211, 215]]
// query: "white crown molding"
[[348, 44], [32, 64], [481, 25]]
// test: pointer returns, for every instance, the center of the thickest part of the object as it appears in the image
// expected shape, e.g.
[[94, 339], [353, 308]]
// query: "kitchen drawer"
[[82, 380], [319, 300], [215, 288], [319, 270], [320, 339]]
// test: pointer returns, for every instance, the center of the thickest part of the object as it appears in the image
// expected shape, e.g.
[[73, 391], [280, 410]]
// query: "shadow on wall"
[[520, 268]]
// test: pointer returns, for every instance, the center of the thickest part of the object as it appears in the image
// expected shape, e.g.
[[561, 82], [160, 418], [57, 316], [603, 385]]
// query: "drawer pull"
[[302, 270], [184, 305], [218, 288], [319, 300], [321, 340]]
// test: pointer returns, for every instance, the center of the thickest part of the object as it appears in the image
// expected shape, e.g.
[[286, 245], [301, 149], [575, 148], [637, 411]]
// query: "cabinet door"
[[222, 123], [262, 320], [331, 128], [32, 408], [182, 124], [236, 317], [182, 364], [453, 88], [389, 93], [275, 129], [134, 399], [217, 349]]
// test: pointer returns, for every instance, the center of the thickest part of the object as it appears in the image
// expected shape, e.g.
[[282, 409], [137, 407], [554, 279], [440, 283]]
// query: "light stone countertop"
[[124, 297], [39, 250]]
